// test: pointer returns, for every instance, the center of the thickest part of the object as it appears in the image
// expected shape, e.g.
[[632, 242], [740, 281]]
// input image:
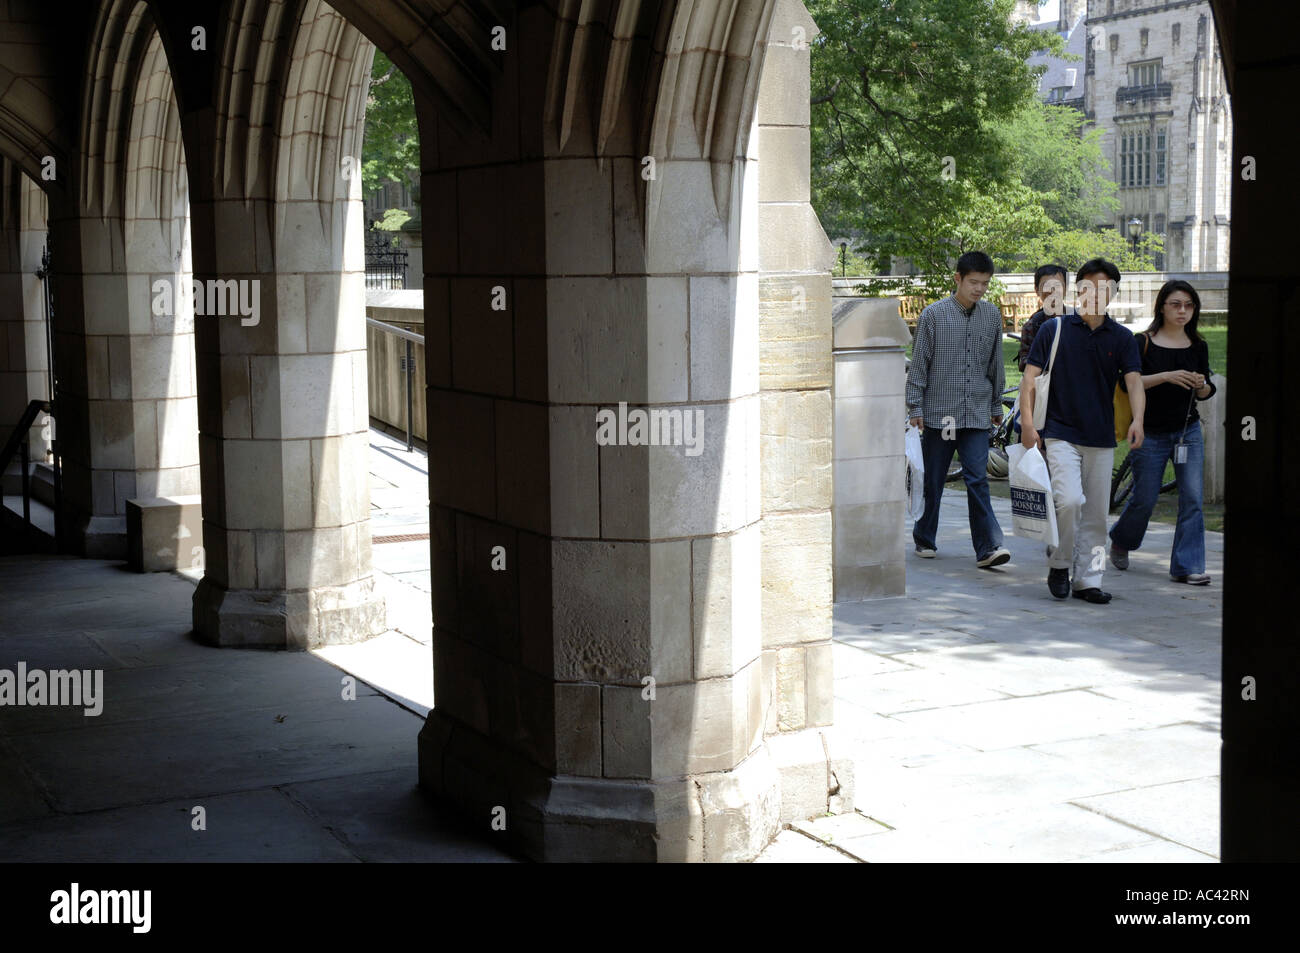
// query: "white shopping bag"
[[915, 473], [1033, 511]]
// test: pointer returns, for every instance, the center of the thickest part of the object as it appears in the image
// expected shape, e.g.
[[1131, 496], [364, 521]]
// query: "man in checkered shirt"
[[954, 390]]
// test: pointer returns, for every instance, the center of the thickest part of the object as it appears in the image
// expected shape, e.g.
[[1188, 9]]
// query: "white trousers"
[[1081, 491]]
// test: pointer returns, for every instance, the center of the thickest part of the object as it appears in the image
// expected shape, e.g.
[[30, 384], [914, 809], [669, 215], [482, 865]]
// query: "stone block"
[[686, 236], [482, 338], [462, 451], [783, 163], [870, 480], [723, 336], [797, 592], [790, 239], [868, 534], [626, 732], [791, 689], [668, 336], [579, 219], [741, 809], [869, 322], [668, 491], [796, 450], [819, 684], [621, 611], [726, 602], [859, 583], [596, 339], [523, 487], [869, 427], [870, 374], [577, 729], [574, 472], [795, 332]]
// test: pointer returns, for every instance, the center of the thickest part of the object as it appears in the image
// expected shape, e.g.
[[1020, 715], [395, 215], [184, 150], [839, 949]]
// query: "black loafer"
[[1093, 595], [1058, 581]]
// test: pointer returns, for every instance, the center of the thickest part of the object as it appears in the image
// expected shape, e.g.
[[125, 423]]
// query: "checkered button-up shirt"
[[956, 368]]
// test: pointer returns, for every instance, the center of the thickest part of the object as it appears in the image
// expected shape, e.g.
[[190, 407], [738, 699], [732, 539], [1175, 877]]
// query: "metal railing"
[[386, 267], [408, 369]]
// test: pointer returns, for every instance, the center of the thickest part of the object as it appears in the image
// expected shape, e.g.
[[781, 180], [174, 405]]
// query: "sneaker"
[[924, 552], [1118, 557], [995, 558], [1058, 581], [1193, 579]]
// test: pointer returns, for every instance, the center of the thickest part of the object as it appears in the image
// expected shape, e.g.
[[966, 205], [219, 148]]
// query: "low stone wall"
[[869, 528], [384, 356]]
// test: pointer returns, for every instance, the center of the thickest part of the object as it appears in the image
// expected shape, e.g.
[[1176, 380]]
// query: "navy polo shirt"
[[1081, 398]]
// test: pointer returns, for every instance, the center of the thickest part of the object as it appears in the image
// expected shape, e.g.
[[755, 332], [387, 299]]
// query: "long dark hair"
[[1166, 290]]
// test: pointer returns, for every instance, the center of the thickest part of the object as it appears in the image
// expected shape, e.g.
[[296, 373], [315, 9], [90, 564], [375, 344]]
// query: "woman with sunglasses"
[[1175, 376]]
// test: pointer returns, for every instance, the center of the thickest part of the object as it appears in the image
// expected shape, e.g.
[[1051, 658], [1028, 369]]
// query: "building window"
[[1059, 93], [1142, 156], [1145, 35], [1160, 224], [1177, 33], [1114, 42], [1144, 74]]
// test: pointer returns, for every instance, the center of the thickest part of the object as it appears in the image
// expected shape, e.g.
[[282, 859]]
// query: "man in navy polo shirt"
[[1078, 437]]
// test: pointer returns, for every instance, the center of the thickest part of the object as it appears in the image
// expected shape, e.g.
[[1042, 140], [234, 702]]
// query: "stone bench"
[[162, 533]]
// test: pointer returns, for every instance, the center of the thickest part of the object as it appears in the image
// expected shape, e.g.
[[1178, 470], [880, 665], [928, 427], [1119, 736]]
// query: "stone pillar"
[[795, 373], [599, 613], [124, 355], [870, 492], [284, 428]]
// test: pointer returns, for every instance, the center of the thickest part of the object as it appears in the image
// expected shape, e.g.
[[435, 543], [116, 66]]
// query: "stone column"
[[601, 686], [795, 260], [284, 428], [870, 493]]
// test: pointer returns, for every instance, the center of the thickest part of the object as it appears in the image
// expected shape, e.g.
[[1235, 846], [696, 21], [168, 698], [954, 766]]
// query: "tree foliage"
[[391, 149], [928, 140]]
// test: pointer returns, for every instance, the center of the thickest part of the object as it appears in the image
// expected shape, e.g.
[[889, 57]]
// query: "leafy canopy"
[[928, 140]]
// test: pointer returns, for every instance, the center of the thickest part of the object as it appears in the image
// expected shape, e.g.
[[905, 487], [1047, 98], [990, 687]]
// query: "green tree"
[[906, 101], [1063, 163], [391, 148]]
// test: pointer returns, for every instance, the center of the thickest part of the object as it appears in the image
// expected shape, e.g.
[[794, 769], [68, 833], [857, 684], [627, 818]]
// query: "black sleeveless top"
[[1167, 403]]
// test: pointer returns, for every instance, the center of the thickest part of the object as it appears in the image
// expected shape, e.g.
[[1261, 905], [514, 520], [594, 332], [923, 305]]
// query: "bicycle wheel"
[[1121, 484], [954, 470]]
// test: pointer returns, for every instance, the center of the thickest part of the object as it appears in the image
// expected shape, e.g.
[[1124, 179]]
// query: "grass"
[[1166, 510]]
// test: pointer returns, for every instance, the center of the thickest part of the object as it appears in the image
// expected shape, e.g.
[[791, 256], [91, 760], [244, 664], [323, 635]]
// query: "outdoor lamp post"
[[844, 258], [1134, 230]]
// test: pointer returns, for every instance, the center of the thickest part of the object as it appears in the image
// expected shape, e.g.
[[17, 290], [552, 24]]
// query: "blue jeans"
[[972, 446], [1149, 461]]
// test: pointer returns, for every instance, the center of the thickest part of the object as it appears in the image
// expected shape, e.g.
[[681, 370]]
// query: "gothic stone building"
[[1149, 75]]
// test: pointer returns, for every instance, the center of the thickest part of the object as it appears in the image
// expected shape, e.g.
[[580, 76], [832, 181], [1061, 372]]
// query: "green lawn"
[[1167, 506]]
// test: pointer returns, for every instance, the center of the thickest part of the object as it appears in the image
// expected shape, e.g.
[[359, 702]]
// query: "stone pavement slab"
[[1048, 834], [955, 749], [1184, 812]]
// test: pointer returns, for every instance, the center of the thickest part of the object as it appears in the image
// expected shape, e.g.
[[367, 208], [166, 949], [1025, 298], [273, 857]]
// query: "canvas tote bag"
[[1044, 380]]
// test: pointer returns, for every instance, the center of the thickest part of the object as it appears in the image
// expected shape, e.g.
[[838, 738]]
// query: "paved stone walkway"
[[987, 721], [990, 722]]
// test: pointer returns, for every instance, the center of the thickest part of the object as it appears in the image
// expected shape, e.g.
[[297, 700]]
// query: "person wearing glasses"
[[1176, 376]]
